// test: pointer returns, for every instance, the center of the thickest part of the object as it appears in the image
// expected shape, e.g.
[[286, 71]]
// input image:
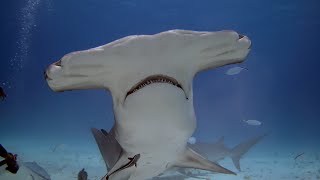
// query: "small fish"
[[192, 140], [253, 122], [82, 175], [2, 94], [297, 156], [235, 70], [58, 147], [133, 161]]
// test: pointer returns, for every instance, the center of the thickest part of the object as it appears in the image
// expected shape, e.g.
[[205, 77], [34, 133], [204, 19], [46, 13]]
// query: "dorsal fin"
[[191, 159]]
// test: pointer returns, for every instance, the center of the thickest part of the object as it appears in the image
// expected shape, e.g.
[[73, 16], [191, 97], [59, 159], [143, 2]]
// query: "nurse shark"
[[150, 81]]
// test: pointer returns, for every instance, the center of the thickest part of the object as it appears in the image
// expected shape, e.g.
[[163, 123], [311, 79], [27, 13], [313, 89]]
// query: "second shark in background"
[[218, 151]]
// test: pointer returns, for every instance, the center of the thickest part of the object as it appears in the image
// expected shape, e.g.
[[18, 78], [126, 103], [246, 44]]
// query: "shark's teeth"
[[154, 79]]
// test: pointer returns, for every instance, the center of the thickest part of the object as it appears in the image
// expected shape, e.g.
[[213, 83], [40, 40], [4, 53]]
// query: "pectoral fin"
[[191, 159], [109, 147]]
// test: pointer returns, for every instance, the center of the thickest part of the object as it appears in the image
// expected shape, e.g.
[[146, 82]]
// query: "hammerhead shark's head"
[[150, 80]]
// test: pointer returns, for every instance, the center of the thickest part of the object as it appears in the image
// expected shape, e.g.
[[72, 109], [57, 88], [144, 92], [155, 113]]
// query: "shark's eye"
[[58, 63]]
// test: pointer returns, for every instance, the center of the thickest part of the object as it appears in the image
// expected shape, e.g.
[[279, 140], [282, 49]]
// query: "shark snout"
[[53, 71], [45, 73]]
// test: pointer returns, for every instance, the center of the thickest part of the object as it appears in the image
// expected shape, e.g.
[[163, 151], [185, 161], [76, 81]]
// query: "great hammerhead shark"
[[110, 148], [150, 80]]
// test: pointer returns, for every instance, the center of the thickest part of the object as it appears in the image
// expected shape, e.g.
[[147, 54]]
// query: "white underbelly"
[[157, 118]]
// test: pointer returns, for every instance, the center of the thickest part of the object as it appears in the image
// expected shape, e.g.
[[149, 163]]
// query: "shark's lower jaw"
[[154, 79]]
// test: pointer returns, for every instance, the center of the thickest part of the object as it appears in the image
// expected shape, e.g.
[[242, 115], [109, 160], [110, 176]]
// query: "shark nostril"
[[241, 36]]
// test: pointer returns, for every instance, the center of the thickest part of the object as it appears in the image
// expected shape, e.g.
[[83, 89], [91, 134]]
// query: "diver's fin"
[[3, 151], [109, 147], [238, 151], [191, 159]]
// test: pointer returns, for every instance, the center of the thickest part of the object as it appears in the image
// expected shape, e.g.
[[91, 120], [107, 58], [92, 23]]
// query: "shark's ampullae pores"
[[150, 80]]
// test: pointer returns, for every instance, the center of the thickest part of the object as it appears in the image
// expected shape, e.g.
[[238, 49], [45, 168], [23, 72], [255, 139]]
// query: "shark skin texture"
[[150, 80]]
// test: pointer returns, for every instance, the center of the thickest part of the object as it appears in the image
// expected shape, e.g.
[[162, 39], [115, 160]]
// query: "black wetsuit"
[[9, 160], [2, 94]]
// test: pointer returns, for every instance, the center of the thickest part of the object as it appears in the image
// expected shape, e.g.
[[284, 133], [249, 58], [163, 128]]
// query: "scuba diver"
[[2, 94], [9, 159]]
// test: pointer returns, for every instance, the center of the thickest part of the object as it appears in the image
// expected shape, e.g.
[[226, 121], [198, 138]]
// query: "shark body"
[[218, 151], [150, 80]]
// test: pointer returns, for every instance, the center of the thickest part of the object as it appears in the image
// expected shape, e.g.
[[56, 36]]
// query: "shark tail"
[[238, 151]]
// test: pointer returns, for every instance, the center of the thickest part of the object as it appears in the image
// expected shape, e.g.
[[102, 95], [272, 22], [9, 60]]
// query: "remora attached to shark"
[[150, 80]]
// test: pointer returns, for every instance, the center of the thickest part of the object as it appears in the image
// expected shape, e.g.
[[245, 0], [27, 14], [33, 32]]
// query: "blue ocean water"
[[280, 87]]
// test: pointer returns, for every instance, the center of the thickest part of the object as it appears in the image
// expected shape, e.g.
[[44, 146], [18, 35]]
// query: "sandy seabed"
[[64, 161]]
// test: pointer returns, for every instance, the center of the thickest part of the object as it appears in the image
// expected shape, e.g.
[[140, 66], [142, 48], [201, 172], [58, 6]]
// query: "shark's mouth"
[[153, 79]]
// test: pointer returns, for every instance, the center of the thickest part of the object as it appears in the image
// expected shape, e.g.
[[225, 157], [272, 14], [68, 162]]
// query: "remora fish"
[[133, 162]]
